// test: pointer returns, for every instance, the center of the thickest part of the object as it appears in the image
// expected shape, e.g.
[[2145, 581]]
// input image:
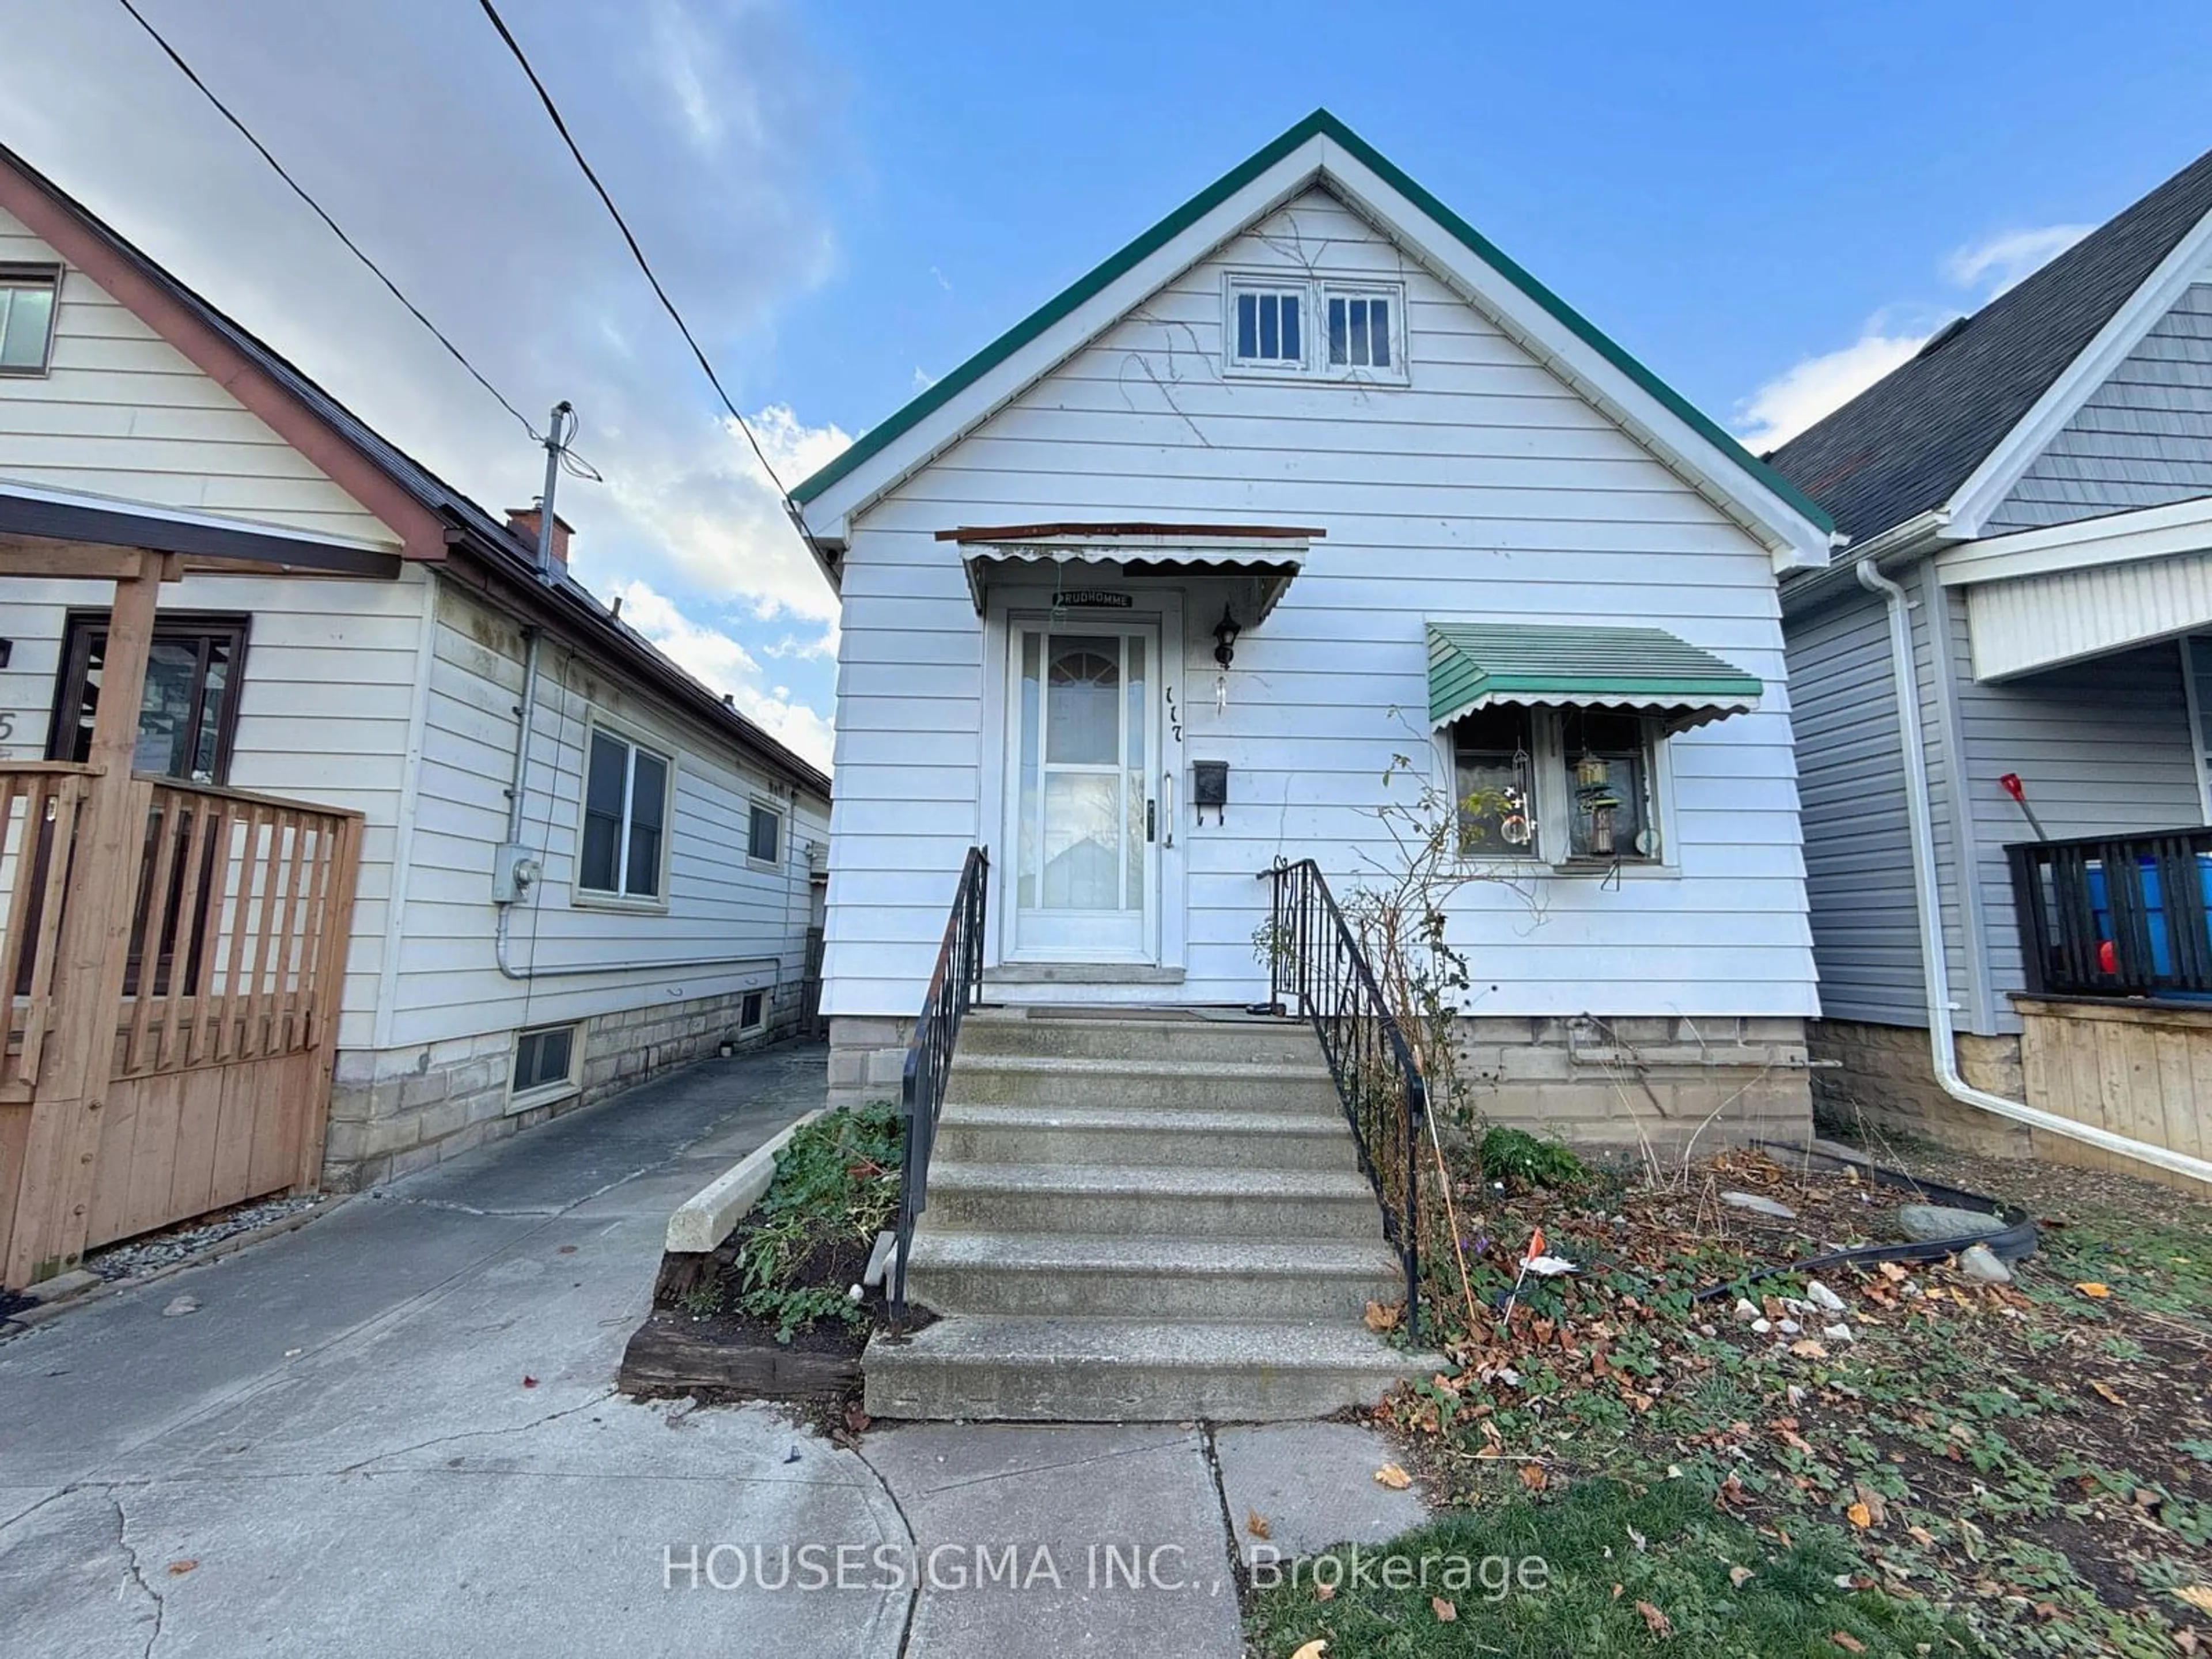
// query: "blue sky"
[[1769, 205]]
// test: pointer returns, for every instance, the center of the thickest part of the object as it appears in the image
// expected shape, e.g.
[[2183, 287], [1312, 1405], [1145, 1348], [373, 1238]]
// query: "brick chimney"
[[523, 521]]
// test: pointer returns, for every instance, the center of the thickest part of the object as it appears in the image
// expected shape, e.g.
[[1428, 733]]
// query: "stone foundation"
[[397, 1110], [867, 1058], [1668, 1085], [1880, 1079]]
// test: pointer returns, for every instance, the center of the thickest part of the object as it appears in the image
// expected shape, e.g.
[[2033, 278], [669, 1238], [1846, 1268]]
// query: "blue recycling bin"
[[2162, 944]]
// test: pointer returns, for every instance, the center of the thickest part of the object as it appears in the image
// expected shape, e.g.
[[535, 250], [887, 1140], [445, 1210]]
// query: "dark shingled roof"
[[1905, 445]]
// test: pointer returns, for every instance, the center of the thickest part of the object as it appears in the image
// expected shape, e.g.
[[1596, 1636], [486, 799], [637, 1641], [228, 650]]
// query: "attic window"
[[1360, 323], [1267, 326], [1321, 329], [28, 294]]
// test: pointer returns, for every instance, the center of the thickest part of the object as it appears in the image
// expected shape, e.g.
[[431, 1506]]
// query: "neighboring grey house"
[[2038, 482]]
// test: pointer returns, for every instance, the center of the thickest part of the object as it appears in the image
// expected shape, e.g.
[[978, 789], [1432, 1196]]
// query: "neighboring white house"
[[1447, 519], [531, 930]]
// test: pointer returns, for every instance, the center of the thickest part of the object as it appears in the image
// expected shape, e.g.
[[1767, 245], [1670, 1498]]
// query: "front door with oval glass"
[[1084, 817]]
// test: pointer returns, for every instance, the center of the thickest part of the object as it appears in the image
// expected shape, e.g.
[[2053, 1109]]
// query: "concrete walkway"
[[394, 1431]]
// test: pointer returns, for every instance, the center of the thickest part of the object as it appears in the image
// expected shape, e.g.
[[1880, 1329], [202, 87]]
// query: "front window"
[[625, 818], [188, 713], [28, 297], [1491, 752], [1608, 759]]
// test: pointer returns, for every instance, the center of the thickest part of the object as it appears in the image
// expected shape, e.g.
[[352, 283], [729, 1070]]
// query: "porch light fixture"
[[1224, 637]]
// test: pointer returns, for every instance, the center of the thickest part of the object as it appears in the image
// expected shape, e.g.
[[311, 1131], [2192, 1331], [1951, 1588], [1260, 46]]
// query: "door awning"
[[1476, 665], [1270, 555]]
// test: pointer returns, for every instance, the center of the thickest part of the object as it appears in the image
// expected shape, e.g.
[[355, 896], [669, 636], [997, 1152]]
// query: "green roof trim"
[[1473, 664], [1320, 125]]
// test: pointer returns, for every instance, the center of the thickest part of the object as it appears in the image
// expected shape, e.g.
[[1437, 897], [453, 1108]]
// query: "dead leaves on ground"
[[1654, 1620], [1256, 1525], [1446, 1612], [1392, 1476]]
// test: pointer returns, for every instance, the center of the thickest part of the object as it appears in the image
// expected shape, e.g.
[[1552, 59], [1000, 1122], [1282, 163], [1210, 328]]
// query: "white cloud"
[[1814, 386], [1818, 386], [702, 497], [725, 666], [710, 121], [2002, 260]]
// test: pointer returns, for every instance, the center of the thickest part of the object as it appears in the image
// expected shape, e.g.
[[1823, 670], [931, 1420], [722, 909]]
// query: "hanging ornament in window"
[[1598, 801], [1516, 826]]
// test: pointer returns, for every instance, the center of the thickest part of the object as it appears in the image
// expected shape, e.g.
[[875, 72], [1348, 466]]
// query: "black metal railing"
[[1316, 957], [2115, 916], [954, 987]]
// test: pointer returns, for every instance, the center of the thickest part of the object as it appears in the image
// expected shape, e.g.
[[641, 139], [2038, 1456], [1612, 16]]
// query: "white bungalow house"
[[576, 865], [2005, 712], [1144, 598]]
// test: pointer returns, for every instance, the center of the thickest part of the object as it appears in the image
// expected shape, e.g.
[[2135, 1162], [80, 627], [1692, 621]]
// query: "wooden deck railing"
[[172, 957], [2116, 915], [39, 802], [237, 943]]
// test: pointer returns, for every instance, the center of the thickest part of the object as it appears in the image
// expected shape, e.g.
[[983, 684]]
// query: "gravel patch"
[[154, 1251]]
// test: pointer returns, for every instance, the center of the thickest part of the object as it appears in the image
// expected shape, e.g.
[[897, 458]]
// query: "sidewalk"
[[394, 1431]]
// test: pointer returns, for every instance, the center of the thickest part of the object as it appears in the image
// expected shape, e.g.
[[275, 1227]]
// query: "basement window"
[[545, 1064], [28, 299], [752, 1013]]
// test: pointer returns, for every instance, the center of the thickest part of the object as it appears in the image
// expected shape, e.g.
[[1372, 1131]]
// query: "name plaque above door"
[[1093, 598]]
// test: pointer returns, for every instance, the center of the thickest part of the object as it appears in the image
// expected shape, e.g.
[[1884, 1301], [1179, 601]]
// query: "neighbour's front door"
[[1084, 819]]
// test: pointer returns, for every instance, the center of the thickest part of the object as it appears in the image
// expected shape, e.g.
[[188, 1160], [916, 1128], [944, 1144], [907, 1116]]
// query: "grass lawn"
[[1992, 1470]]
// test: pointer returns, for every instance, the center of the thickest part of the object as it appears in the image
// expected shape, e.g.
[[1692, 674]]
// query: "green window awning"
[[1476, 665]]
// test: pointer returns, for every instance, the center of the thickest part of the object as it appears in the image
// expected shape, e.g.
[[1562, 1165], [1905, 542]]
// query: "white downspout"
[[1929, 902]]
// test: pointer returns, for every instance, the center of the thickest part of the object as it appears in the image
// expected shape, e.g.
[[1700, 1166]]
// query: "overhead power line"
[[335, 229], [561, 126]]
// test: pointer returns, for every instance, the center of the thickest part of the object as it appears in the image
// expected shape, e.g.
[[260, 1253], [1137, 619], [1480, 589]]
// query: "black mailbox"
[[1209, 787]]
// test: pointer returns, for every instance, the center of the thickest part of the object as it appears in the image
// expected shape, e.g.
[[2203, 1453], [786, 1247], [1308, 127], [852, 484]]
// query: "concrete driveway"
[[394, 1431]]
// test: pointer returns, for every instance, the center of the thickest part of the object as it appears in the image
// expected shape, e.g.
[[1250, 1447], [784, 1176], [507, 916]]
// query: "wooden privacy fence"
[[208, 1078]]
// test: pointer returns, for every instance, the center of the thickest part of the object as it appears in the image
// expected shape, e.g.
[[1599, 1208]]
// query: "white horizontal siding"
[[2026, 623], [727, 926], [1484, 488], [124, 413], [324, 706]]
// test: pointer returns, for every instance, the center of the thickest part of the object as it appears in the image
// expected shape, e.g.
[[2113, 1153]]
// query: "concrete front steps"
[[1142, 1217]]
